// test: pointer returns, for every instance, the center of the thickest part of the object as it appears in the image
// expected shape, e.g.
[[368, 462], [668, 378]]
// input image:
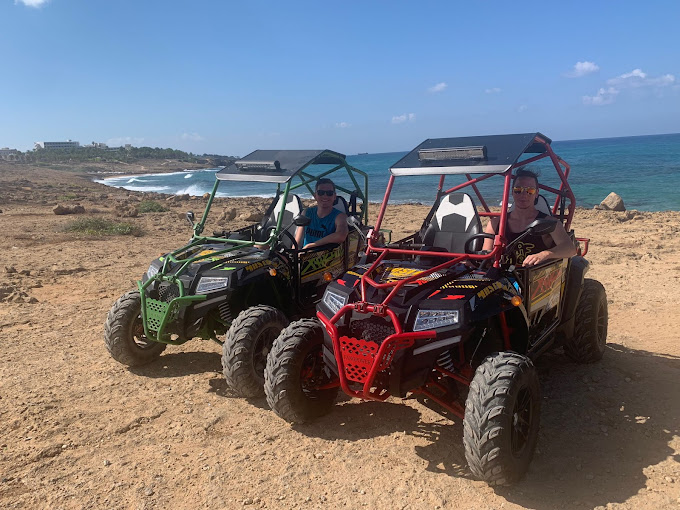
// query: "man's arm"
[[300, 232], [489, 229], [340, 234], [563, 249]]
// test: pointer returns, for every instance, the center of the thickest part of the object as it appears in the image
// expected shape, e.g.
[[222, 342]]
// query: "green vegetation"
[[102, 227], [68, 196], [147, 206], [119, 154]]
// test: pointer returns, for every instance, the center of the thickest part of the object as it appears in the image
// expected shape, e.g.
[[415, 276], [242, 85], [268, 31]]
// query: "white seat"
[[292, 209]]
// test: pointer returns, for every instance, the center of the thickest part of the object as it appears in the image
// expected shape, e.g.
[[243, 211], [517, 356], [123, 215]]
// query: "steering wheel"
[[292, 238], [468, 243]]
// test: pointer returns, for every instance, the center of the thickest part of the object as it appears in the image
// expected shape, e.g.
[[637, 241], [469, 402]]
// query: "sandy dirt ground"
[[79, 430]]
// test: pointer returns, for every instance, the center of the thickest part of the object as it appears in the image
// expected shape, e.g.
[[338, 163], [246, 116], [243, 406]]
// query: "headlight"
[[208, 283], [334, 300], [432, 319], [152, 271]]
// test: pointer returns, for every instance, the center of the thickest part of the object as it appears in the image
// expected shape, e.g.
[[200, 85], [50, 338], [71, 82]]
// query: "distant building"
[[8, 154], [57, 145], [97, 145]]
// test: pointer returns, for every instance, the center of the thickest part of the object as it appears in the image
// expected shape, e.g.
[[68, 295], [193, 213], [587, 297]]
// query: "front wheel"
[[500, 428], [590, 335], [296, 380], [124, 333], [245, 350]]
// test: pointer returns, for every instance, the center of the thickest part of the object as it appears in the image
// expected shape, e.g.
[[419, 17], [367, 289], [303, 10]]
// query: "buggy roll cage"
[[275, 166], [496, 147], [486, 155]]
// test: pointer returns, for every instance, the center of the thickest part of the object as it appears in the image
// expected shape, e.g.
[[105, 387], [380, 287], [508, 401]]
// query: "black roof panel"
[[500, 152], [277, 165]]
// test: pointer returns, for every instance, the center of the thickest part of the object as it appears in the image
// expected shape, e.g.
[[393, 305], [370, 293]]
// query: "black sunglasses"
[[322, 192]]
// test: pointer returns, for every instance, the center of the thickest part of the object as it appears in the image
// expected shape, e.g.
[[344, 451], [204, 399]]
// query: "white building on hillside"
[[9, 154], [57, 145]]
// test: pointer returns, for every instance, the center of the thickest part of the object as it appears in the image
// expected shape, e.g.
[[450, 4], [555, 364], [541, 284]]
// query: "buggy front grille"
[[168, 291], [225, 312], [156, 311]]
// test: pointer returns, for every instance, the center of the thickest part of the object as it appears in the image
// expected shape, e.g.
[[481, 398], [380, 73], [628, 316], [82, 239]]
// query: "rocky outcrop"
[[613, 202], [68, 209]]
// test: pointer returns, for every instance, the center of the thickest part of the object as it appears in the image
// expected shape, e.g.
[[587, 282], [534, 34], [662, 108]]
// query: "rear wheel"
[[296, 375], [124, 333], [502, 411], [245, 350], [590, 336]]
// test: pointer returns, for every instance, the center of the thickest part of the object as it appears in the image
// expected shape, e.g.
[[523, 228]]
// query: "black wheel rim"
[[522, 419], [312, 375], [137, 335], [263, 345]]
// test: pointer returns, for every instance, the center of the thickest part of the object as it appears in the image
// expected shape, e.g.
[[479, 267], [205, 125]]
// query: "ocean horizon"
[[643, 170]]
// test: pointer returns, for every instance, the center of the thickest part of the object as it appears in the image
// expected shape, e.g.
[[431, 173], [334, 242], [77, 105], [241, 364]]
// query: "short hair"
[[324, 180], [525, 172]]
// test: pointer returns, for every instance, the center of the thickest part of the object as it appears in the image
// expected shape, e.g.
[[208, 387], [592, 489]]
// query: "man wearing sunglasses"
[[328, 225], [533, 249]]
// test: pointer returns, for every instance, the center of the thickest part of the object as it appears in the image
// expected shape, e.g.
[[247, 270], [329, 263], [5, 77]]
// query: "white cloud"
[[342, 125], [637, 78], [194, 137], [494, 90], [406, 117], [603, 96], [583, 68], [439, 87], [31, 3], [122, 140], [521, 108]]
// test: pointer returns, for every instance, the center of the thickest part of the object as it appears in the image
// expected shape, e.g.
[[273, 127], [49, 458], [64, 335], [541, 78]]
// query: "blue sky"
[[354, 76]]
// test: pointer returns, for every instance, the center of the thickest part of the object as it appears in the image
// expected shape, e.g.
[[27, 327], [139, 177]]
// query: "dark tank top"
[[530, 244]]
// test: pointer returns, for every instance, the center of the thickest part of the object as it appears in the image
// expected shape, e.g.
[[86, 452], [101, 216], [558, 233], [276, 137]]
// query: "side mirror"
[[191, 218], [542, 226], [301, 221]]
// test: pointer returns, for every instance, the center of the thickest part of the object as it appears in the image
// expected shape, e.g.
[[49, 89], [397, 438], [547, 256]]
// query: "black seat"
[[454, 221], [293, 208]]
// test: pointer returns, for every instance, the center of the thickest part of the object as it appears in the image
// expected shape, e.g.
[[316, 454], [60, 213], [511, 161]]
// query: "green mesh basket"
[[158, 311]]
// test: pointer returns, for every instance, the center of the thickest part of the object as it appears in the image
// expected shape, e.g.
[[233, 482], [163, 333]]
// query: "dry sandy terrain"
[[79, 430]]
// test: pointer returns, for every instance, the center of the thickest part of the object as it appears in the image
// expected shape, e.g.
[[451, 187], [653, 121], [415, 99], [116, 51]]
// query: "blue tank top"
[[319, 227]]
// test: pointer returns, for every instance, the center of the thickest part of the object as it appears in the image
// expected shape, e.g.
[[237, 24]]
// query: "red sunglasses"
[[524, 189]]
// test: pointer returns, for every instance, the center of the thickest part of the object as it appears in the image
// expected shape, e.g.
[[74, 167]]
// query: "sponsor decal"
[[453, 285], [401, 273], [258, 265], [321, 261], [482, 294], [545, 282]]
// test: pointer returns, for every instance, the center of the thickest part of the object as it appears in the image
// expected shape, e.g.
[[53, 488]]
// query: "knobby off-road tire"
[[124, 333], [590, 335], [502, 411], [245, 350], [295, 368]]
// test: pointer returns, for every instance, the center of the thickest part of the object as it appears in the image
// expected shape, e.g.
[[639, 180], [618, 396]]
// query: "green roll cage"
[[157, 315]]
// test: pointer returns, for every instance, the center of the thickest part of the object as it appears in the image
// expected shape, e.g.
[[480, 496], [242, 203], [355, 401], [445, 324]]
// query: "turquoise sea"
[[643, 170]]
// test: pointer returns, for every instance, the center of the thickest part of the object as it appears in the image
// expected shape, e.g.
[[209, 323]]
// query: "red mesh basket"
[[359, 356]]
